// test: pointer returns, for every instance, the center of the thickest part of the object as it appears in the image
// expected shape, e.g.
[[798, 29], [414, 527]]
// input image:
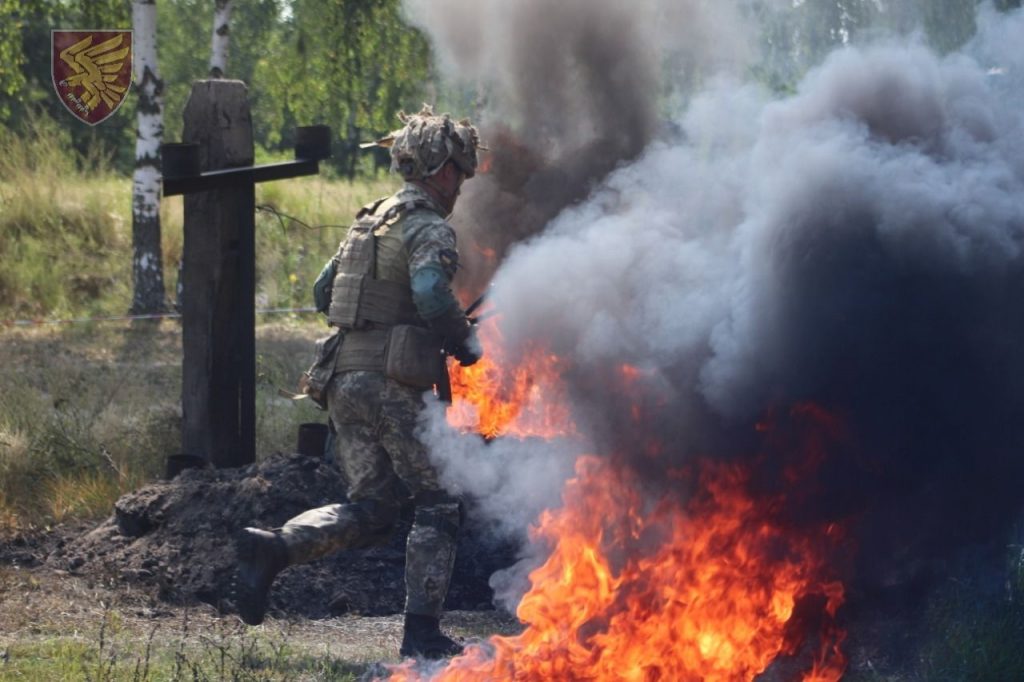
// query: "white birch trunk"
[[147, 261], [219, 48]]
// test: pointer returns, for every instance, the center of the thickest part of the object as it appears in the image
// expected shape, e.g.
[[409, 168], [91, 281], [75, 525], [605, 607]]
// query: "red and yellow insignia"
[[92, 71]]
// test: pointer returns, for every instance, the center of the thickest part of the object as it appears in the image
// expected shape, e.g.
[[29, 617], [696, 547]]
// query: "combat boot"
[[423, 638], [261, 556]]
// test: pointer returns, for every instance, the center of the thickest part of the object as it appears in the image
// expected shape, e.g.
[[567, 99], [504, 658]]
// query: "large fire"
[[708, 584], [495, 398]]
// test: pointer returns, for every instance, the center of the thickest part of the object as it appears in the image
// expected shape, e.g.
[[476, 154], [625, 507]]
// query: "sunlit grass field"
[[90, 407]]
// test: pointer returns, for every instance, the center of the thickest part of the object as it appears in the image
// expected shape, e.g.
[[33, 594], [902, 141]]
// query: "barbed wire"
[[126, 318], [267, 208]]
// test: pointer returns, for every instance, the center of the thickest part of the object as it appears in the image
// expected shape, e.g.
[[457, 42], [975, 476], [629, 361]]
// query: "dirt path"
[[53, 621]]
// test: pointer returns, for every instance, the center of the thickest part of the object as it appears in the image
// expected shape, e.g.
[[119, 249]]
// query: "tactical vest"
[[371, 300]]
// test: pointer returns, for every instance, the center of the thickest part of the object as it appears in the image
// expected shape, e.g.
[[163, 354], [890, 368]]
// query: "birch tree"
[[219, 48], [147, 257]]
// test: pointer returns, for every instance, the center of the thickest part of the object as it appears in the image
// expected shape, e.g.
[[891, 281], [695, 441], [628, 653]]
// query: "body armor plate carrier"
[[382, 328]]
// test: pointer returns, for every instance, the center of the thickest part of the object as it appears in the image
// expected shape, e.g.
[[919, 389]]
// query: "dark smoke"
[[857, 244], [571, 91]]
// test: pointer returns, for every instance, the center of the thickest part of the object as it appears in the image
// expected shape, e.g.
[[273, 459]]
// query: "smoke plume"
[[569, 90], [857, 244]]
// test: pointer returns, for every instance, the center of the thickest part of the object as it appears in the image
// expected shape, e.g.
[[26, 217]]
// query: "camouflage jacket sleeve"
[[433, 259]]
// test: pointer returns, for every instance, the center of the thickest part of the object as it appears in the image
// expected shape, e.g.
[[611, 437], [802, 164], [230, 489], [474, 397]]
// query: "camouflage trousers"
[[376, 446]]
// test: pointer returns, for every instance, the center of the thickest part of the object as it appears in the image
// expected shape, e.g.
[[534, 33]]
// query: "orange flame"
[[711, 600], [705, 589], [493, 398]]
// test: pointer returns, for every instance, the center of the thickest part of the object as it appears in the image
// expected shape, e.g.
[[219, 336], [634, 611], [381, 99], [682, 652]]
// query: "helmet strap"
[[443, 197]]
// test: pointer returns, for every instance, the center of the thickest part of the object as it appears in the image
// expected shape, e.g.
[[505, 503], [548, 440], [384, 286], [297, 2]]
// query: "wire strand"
[[125, 318], [267, 208]]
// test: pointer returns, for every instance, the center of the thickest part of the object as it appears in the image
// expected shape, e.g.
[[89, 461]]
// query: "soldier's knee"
[[440, 511], [375, 517]]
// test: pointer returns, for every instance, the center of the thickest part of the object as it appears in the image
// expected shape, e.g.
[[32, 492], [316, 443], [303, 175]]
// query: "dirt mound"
[[176, 538]]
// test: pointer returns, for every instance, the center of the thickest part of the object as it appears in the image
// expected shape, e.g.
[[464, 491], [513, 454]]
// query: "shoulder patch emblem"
[[449, 259]]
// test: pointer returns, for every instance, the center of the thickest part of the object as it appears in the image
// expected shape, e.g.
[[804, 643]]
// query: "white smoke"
[[858, 243], [511, 481]]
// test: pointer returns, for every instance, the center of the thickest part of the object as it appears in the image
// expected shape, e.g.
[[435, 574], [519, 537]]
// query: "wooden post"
[[218, 277]]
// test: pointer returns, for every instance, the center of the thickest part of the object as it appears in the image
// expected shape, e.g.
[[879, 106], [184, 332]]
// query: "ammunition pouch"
[[413, 356], [408, 354], [315, 379]]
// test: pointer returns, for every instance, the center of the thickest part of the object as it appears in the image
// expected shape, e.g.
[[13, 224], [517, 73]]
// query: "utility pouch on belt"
[[315, 380], [413, 356]]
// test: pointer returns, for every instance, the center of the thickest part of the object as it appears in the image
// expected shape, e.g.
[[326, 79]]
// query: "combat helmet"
[[421, 147]]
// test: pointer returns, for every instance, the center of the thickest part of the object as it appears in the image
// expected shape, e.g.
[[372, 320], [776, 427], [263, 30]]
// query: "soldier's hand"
[[469, 351]]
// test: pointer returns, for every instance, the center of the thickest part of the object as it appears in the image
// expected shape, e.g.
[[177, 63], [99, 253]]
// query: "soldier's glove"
[[460, 340], [468, 351]]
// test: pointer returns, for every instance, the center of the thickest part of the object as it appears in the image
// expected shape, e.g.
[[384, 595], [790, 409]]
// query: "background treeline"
[[354, 63], [797, 37], [349, 63]]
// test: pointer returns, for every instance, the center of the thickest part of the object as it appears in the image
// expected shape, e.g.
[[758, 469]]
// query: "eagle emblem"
[[91, 71]]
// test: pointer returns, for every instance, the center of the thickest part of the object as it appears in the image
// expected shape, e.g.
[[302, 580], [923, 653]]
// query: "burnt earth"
[[176, 539]]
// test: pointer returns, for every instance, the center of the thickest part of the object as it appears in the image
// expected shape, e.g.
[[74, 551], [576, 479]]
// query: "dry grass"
[[90, 411], [88, 414]]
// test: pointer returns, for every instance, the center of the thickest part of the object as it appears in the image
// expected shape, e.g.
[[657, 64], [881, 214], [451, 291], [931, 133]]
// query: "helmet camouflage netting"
[[421, 147]]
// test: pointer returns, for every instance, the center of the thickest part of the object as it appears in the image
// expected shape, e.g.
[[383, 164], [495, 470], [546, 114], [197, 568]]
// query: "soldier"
[[388, 292]]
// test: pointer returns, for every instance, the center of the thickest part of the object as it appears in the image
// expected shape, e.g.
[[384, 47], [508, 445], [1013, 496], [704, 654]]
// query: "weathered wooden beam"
[[218, 273]]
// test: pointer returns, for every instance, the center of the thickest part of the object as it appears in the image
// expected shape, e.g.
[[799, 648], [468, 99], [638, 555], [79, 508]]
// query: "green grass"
[[60, 223], [112, 653]]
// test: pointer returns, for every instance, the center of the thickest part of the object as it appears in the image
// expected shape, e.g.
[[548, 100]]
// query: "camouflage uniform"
[[375, 417], [388, 292]]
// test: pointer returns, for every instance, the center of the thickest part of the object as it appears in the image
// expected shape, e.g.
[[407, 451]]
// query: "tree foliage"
[[28, 93], [798, 34], [352, 64], [12, 57]]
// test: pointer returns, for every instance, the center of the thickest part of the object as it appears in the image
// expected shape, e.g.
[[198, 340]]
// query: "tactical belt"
[[362, 349]]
